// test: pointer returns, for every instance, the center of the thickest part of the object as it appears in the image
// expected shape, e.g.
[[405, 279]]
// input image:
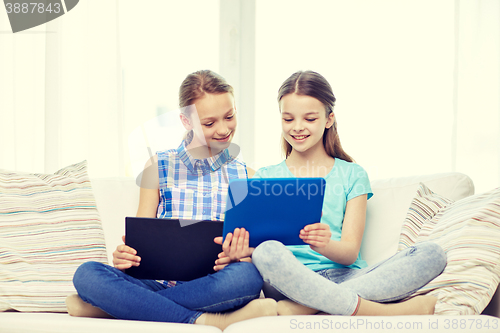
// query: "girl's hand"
[[223, 261], [125, 257], [235, 248], [317, 235]]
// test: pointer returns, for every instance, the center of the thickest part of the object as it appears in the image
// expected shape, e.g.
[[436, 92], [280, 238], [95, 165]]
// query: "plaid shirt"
[[195, 189]]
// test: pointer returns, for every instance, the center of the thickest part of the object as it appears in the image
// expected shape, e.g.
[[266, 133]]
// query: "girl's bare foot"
[[256, 308], [290, 308], [419, 305], [78, 308]]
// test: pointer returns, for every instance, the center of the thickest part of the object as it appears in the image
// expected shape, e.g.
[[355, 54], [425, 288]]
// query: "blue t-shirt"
[[344, 182]]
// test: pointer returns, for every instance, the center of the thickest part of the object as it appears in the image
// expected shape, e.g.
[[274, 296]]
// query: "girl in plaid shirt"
[[189, 182]]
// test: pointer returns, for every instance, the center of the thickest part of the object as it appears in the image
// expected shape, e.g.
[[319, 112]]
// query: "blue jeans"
[[336, 291], [125, 297]]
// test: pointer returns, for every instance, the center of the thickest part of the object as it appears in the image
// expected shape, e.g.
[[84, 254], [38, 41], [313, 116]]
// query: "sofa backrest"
[[386, 210], [116, 199], [119, 197]]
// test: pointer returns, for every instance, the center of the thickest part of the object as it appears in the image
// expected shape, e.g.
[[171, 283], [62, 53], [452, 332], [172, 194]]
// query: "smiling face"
[[304, 121], [214, 123]]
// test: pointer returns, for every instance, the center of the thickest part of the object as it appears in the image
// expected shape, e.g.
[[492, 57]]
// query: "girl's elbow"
[[350, 257], [348, 261]]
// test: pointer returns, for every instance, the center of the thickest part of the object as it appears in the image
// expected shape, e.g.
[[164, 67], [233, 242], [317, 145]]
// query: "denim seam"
[[399, 297], [194, 317], [281, 291], [244, 298]]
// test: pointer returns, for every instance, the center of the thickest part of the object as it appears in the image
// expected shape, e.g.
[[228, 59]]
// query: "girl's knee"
[[243, 276], [85, 274], [253, 278], [266, 256], [267, 251], [246, 270], [433, 254]]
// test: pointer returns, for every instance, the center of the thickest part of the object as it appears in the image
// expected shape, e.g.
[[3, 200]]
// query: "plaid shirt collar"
[[205, 165]]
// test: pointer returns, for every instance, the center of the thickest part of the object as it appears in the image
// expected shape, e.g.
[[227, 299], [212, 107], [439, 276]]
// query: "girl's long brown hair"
[[309, 83]]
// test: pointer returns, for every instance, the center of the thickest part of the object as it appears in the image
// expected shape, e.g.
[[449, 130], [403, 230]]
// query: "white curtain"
[[60, 93], [417, 82], [477, 92]]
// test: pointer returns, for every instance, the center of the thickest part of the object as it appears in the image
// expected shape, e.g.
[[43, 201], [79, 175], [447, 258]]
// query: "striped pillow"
[[469, 232], [424, 206], [49, 225]]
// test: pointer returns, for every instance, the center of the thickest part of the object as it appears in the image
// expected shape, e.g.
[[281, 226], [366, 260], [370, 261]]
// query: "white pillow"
[[468, 230], [49, 225]]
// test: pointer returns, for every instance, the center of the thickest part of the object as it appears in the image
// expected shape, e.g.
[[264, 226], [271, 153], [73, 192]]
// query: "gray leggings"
[[336, 291]]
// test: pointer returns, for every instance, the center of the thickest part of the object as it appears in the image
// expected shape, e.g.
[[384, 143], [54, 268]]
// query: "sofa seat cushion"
[[49, 225], [393, 324], [15, 322]]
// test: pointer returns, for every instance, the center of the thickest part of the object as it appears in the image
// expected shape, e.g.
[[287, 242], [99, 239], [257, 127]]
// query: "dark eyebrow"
[[231, 110], [307, 114]]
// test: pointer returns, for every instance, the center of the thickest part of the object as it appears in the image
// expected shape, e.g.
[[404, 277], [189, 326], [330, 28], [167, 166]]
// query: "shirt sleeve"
[[359, 183], [258, 173]]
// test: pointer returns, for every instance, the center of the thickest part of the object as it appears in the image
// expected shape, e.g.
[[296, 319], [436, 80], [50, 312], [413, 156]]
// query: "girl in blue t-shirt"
[[189, 182], [328, 274]]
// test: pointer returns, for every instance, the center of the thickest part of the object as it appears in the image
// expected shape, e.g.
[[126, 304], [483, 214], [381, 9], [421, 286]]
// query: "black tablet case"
[[170, 251]]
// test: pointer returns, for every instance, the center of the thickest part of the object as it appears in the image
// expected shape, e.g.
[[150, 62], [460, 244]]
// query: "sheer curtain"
[[22, 97], [416, 82], [477, 92], [60, 93]]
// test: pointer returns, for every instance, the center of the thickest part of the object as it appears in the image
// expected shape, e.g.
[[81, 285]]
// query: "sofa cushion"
[[424, 206], [468, 230], [17, 322], [49, 225]]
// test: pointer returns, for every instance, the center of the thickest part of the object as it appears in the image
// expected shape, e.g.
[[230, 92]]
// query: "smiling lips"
[[299, 137], [224, 139]]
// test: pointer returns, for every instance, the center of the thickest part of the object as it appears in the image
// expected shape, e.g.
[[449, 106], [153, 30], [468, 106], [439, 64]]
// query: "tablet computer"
[[274, 208], [170, 250]]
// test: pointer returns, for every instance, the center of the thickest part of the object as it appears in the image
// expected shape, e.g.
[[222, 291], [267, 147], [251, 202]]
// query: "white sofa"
[[118, 197]]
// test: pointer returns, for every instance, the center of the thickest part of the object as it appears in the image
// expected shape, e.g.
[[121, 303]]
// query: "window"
[[161, 42], [390, 64]]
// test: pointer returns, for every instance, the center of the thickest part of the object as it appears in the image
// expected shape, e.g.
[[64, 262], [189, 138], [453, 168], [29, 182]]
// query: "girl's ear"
[[186, 122], [330, 121]]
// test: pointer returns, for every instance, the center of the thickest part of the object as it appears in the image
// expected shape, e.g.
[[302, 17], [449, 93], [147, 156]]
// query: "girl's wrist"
[[324, 250]]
